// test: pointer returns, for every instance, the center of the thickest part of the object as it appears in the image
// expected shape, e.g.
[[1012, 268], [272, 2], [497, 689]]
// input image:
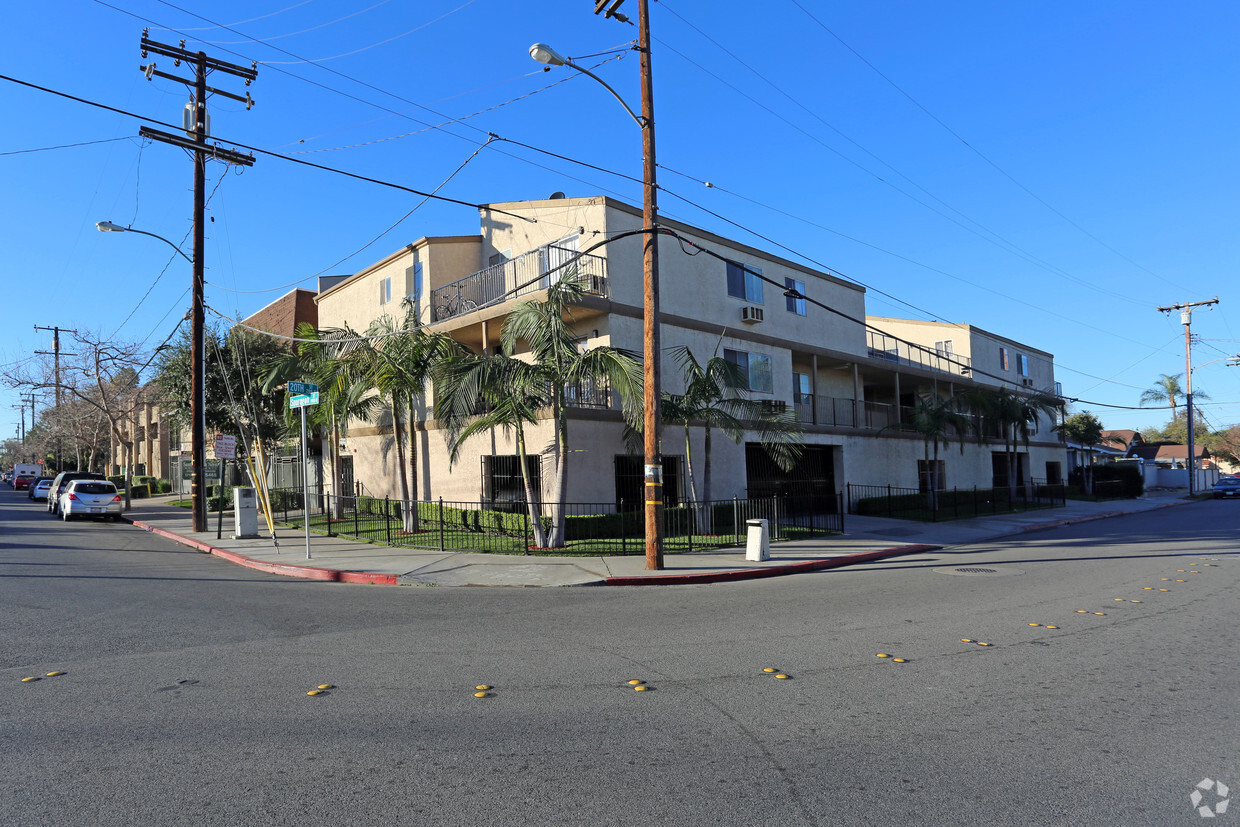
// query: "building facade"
[[849, 378]]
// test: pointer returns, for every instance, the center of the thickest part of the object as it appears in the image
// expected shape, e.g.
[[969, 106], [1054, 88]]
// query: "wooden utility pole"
[[196, 128], [1186, 319]]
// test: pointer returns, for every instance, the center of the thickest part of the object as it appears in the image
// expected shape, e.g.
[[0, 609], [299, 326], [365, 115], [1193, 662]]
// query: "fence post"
[[387, 521], [888, 499], [356, 530], [624, 537], [441, 545], [839, 504], [525, 528], [691, 516], [736, 526], [327, 514]]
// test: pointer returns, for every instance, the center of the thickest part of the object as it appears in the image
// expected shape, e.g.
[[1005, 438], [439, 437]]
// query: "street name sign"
[[304, 400], [302, 388]]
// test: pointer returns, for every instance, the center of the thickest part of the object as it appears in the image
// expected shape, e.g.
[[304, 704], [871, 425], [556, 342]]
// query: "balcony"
[[521, 276], [902, 353]]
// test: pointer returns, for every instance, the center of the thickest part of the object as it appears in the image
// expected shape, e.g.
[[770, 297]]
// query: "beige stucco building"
[[847, 376]]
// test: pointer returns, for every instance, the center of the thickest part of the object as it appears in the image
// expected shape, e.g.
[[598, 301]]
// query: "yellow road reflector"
[[326, 686], [28, 680], [636, 682], [1181, 581], [1179, 571], [1164, 590], [979, 643], [1052, 627], [769, 669], [1134, 601], [1100, 613], [1194, 572], [1118, 599], [781, 676], [482, 686], [54, 674], [965, 640], [315, 692], [481, 694], [898, 660], [1035, 624], [882, 655], [1164, 578], [1149, 588], [639, 689]]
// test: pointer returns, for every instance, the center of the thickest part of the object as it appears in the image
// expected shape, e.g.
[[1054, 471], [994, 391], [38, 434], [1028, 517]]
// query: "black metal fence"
[[587, 529], [953, 503]]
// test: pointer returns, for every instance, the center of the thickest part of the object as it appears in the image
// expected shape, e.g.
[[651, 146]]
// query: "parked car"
[[38, 489], [59, 484], [1227, 487], [90, 498], [22, 482]]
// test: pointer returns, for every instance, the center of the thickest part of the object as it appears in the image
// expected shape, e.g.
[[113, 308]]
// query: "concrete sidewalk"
[[349, 561]]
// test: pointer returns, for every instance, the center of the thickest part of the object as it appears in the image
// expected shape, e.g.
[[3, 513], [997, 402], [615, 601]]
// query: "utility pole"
[[196, 127], [55, 353], [22, 406], [1186, 319]]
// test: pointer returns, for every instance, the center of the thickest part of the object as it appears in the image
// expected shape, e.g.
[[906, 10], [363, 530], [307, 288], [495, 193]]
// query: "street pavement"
[[866, 539]]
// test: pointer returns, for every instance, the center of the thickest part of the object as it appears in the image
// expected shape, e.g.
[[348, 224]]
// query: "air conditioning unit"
[[751, 314]]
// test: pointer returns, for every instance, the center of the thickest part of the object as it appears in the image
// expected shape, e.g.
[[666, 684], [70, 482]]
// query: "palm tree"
[[400, 364], [329, 357], [1167, 391], [1085, 430], [936, 419], [474, 394], [716, 396], [557, 366], [1013, 414]]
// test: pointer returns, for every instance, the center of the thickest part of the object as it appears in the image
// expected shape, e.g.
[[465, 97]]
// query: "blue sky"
[[1048, 171]]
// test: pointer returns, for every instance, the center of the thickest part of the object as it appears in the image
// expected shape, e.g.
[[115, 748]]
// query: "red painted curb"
[[286, 569], [772, 571]]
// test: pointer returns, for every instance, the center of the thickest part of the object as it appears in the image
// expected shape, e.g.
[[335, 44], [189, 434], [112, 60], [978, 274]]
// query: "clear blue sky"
[[1049, 171]]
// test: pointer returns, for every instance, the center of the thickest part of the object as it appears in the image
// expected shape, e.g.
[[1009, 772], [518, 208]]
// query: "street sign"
[[225, 446], [304, 401], [302, 388]]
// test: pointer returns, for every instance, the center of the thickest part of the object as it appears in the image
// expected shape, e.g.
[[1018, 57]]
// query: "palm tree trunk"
[[559, 488], [532, 503], [398, 433]]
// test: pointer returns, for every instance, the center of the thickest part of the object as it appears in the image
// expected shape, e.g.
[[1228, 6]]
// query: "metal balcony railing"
[[893, 350], [525, 274]]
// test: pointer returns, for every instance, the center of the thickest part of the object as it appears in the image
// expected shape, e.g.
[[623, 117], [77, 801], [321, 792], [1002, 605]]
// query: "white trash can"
[[757, 541], [245, 513]]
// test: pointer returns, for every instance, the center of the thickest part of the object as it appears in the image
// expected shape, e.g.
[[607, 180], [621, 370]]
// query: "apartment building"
[[848, 378]]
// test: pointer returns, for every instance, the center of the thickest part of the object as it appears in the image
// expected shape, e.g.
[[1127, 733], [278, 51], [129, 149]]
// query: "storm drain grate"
[[978, 570]]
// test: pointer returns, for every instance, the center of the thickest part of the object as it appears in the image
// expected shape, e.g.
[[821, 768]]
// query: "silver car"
[[39, 490], [90, 498]]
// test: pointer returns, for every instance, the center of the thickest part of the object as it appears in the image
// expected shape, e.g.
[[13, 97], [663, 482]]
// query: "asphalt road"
[[184, 694]]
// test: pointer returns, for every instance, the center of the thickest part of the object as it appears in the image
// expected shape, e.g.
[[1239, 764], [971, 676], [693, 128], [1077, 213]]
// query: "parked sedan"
[[39, 490], [90, 498], [1227, 487]]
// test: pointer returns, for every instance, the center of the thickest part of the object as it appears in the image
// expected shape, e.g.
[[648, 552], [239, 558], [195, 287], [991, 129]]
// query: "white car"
[[90, 498], [40, 489]]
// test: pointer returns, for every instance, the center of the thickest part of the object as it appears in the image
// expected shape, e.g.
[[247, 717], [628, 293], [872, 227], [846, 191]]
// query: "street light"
[[109, 227], [198, 384], [653, 463]]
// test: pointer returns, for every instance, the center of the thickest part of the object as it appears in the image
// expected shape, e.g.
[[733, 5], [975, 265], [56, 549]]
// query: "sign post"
[[225, 449], [302, 395]]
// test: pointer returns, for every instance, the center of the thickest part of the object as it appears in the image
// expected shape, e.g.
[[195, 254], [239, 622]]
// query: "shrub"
[[1125, 478], [163, 486], [140, 492], [118, 480]]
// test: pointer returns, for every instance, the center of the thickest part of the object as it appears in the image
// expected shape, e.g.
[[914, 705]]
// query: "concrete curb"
[[771, 571], [286, 569]]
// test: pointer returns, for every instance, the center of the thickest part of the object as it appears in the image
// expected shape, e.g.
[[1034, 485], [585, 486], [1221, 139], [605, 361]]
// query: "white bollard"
[[757, 541]]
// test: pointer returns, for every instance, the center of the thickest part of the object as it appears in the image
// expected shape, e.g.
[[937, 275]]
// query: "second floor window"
[[385, 290], [796, 306], [1003, 358], [414, 290], [1022, 364], [743, 282], [755, 367]]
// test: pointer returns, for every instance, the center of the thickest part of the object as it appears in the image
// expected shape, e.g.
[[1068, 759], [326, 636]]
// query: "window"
[[385, 290], [945, 347], [801, 388], [1003, 359], [414, 289], [923, 475], [1022, 364], [743, 282], [502, 485], [499, 258], [755, 368], [796, 306]]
